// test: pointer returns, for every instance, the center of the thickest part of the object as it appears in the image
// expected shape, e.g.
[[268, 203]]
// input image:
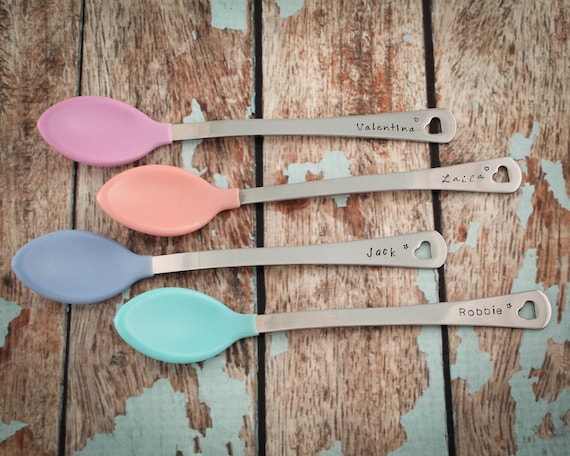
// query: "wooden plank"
[[159, 57], [355, 391], [35, 198], [504, 71]]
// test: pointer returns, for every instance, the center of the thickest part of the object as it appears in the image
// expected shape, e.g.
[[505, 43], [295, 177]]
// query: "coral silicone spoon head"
[[183, 326], [168, 201], [106, 132], [79, 267]]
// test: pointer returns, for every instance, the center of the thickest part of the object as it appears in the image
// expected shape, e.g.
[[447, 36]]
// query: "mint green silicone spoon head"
[[179, 325]]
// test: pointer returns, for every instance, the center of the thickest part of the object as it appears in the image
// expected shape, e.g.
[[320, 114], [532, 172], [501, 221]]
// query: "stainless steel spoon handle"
[[416, 250], [411, 126], [469, 177], [503, 311]]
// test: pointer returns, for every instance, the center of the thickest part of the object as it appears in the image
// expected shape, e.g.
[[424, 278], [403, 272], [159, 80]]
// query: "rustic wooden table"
[[70, 385]]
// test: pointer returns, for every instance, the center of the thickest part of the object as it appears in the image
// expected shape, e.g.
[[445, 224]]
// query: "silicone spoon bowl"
[[103, 131], [178, 325], [168, 201], [80, 267]]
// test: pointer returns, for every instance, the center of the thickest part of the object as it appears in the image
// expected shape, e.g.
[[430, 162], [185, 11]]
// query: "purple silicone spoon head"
[[101, 131]]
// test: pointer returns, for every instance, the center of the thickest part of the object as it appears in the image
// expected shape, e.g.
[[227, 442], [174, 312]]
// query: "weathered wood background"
[[69, 385]]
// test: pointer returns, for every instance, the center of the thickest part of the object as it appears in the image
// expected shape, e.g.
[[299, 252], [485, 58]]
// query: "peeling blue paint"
[[525, 207], [228, 401], [8, 430], [288, 8], [333, 165], [279, 344], [229, 14], [520, 146], [422, 433], [427, 280], [125, 296], [189, 146], [430, 433], [554, 175], [335, 450], [529, 411], [470, 240], [407, 38], [157, 423], [250, 110], [475, 378], [8, 311], [221, 181]]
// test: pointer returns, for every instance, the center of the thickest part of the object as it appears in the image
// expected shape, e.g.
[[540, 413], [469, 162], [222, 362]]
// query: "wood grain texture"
[[350, 386], [159, 56], [37, 67], [70, 385], [504, 70]]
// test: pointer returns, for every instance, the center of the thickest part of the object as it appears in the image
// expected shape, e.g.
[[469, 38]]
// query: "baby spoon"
[[168, 201], [103, 131], [178, 325], [80, 267]]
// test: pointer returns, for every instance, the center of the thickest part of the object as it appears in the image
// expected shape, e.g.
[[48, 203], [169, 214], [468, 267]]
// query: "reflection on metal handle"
[[416, 250], [410, 126], [467, 177], [500, 311]]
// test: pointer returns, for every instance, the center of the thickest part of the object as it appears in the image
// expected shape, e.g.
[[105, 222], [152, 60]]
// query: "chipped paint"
[[422, 433], [475, 378], [229, 14], [333, 165], [520, 146], [406, 38], [228, 401], [221, 181], [156, 422], [8, 311], [334, 450], [553, 174], [529, 410], [427, 280], [288, 8], [250, 110], [8, 430], [430, 433], [279, 344], [525, 207], [470, 240], [189, 146], [125, 296]]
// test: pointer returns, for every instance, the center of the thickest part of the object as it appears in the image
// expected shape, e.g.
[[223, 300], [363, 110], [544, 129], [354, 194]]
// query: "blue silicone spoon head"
[[78, 267], [179, 325]]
